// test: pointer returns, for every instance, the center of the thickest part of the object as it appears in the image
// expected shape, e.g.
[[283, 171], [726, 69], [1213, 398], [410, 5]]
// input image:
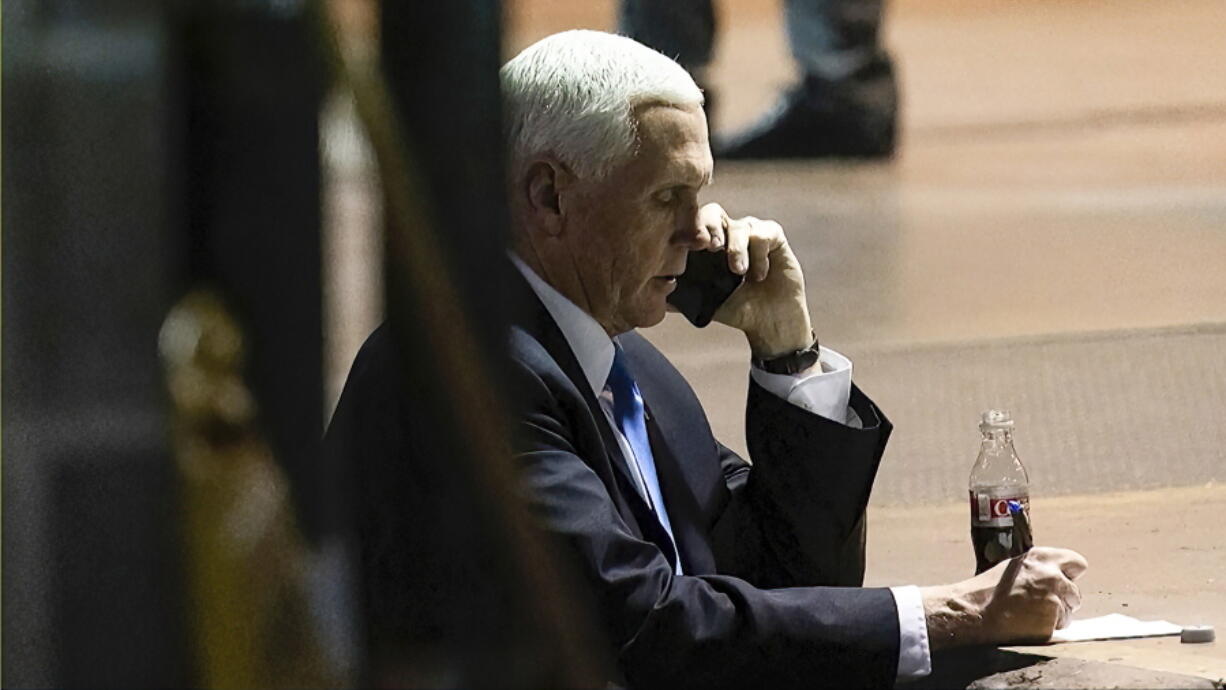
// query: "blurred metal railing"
[[445, 350]]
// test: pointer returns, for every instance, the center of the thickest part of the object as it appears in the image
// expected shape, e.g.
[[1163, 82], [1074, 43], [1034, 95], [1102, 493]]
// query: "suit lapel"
[[670, 439], [536, 320], [683, 510]]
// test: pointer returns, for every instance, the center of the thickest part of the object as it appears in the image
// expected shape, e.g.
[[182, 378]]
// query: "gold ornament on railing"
[[245, 560]]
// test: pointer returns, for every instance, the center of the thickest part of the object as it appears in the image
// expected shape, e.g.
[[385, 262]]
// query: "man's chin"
[[642, 313], [651, 317]]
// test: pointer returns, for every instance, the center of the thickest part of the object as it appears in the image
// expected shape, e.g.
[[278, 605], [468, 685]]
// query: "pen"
[[1022, 538]]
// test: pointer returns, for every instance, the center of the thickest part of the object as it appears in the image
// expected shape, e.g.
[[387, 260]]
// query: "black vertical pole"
[[432, 609], [457, 585], [252, 88], [441, 61]]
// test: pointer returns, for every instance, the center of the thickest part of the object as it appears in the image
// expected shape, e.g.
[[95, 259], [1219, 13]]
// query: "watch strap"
[[792, 362]]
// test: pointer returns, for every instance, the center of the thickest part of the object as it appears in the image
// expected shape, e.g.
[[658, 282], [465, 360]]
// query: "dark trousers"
[[832, 41]]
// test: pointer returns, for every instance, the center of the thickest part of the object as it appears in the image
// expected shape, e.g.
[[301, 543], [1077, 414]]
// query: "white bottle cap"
[[996, 419], [1197, 633]]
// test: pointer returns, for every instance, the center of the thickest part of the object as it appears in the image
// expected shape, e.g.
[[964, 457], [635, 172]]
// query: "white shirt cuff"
[[914, 655], [825, 390]]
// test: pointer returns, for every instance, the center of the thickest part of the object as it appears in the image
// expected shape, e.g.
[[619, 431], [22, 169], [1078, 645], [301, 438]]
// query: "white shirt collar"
[[587, 339]]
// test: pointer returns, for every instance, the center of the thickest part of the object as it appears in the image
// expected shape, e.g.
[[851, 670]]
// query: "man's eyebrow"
[[689, 176]]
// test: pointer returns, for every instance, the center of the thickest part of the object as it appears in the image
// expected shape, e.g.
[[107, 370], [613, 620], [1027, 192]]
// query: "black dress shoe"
[[823, 120]]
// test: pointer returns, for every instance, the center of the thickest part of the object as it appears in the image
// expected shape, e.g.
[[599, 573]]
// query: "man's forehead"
[[694, 170], [670, 124], [677, 138]]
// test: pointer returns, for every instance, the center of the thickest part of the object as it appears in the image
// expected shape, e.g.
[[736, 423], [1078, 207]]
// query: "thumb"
[[1073, 565]]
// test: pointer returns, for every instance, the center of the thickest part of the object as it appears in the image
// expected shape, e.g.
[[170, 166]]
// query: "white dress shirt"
[[824, 391]]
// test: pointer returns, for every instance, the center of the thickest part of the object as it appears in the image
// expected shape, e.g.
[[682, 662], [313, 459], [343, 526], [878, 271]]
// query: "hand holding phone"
[[706, 284], [768, 303]]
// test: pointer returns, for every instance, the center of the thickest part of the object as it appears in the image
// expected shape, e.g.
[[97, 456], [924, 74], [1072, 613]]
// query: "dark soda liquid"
[[993, 545]]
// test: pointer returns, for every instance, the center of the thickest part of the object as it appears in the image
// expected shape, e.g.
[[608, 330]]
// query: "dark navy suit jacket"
[[773, 552]]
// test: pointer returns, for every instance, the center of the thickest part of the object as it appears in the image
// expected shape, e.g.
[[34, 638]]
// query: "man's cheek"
[[644, 249]]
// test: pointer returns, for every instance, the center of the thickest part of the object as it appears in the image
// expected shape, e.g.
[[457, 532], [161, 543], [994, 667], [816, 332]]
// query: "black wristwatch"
[[792, 362]]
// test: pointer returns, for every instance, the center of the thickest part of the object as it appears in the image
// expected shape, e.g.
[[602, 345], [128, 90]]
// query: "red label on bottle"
[[990, 507]]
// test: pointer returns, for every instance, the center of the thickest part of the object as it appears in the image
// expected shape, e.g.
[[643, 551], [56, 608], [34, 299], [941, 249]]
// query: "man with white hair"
[[705, 570]]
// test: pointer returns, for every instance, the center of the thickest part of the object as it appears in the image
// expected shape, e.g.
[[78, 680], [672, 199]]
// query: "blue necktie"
[[628, 413]]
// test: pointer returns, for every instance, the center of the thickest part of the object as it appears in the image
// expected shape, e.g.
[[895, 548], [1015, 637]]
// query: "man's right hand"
[[1021, 600], [770, 307]]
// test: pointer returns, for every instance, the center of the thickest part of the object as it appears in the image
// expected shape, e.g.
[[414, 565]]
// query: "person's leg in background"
[[681, 29], [846, 103]]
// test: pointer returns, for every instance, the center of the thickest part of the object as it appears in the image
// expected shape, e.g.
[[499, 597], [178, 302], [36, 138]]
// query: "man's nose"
[[691, 234]]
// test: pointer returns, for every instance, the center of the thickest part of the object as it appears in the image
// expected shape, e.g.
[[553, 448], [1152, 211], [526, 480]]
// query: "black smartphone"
[[706, 284]]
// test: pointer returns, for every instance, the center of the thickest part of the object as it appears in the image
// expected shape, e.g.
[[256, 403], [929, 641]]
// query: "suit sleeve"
[[795, 516], [684, 631]]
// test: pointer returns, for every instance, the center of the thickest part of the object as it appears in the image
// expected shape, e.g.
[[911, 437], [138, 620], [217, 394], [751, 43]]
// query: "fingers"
[[1029, 596], [1072, 597], [759, 258], [750, 243], [1068, 597], [1071, 563], [1074, 566], [737, 238], [1054, 571], [1009, 572], [703, 238], [713, 225]]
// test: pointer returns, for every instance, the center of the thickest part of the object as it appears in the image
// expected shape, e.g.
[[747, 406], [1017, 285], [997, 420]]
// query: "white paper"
[[1112, 627]]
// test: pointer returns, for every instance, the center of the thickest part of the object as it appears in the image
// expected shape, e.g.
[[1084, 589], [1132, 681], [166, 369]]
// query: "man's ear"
[[545, 181]]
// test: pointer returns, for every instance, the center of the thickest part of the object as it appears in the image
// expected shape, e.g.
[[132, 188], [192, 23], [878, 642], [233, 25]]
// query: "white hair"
[[573, 95]]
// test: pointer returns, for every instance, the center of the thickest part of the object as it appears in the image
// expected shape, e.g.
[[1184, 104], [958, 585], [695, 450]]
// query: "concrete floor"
[[1051, 237]]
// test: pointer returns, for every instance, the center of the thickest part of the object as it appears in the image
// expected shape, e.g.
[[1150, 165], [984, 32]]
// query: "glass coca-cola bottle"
[[1000, 495]]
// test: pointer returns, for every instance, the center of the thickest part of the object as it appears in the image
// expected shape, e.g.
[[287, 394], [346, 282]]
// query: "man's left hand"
[[770, 306]]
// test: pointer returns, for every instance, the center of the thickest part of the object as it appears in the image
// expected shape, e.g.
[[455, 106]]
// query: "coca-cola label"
[[990, 507]]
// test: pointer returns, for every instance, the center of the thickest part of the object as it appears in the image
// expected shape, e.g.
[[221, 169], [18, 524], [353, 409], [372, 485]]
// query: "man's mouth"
[[671, 277]]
